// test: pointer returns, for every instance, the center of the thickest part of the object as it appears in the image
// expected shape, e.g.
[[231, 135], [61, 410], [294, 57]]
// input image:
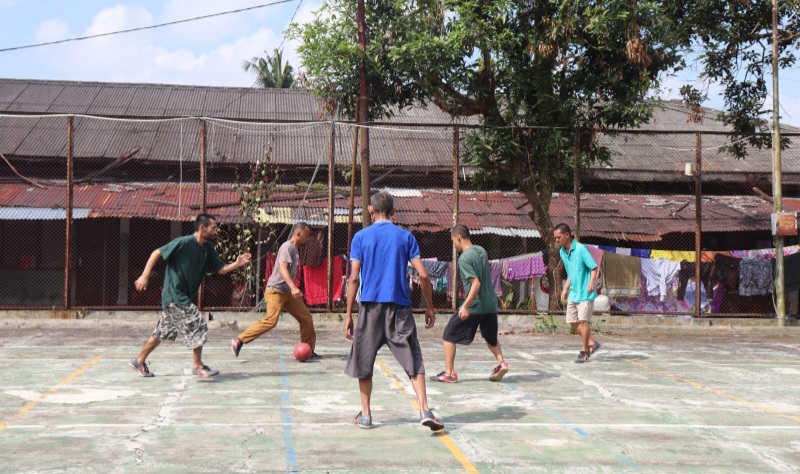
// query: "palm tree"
[[271, 71]]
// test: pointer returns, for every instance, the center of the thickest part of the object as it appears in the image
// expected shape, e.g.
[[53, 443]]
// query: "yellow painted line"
[[454, 450], [54, 389], [716, 392]]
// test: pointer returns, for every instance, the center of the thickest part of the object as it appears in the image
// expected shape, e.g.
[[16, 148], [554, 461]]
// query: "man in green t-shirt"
[[188, 259], [478, 310]]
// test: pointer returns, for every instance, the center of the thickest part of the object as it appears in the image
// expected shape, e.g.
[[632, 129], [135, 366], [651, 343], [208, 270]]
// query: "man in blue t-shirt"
[[579, 292], [379, 256]]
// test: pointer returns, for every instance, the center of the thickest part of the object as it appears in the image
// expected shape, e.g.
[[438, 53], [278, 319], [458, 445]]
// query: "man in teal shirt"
[[478, 310], [188, 259], [579, 292]]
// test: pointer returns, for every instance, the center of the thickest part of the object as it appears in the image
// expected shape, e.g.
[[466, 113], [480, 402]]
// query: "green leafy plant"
[[250, 229]]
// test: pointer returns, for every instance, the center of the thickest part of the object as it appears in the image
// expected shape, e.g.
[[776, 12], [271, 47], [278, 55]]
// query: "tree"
[[733, 44], [329, 45], [271, 71], [534, 71]]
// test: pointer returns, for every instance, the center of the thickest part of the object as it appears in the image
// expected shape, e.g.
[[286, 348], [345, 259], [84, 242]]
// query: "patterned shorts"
[[183, 321]]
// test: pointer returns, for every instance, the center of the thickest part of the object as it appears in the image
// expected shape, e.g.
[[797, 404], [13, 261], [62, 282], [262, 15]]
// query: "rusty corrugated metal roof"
[[642, 218]]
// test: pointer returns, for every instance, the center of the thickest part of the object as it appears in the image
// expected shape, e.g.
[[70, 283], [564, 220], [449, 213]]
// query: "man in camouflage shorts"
[[188, 259]]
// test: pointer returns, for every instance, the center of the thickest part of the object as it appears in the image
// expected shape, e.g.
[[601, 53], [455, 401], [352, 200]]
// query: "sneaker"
[[236, 346], [499, 372], [364, 422], [314, 355], [427, 418], [445, 377], [205, 371], [141, 367], [596, 347], [582, 357]]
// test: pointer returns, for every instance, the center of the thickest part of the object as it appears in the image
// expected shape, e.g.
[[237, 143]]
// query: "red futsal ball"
[[302, 352]]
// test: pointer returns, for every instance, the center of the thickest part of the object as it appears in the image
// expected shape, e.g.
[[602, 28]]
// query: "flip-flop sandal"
[[364, 422], [205, 371]]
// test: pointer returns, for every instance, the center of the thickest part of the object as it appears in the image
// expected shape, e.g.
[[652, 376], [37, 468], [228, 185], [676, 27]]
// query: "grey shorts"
[[183, 321], [379, 324]]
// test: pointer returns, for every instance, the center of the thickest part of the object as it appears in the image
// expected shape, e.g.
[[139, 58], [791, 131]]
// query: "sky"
[[203, 52]]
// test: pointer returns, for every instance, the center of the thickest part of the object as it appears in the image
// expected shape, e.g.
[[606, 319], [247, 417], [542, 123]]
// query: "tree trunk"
[[540, 203]]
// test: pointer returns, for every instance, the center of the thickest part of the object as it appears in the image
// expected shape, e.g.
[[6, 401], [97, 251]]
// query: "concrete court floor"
[[70, 403]]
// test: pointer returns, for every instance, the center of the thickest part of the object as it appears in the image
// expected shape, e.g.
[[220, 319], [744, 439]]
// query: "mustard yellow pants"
[[276, 302]]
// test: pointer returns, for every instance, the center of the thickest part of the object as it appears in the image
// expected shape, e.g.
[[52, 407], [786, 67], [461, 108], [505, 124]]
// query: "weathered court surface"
[[70, 403]]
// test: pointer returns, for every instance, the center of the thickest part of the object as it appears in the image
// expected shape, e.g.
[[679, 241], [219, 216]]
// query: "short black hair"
[[382, 203], [203, 220], [298, 226], [462, 231], [563, 228]]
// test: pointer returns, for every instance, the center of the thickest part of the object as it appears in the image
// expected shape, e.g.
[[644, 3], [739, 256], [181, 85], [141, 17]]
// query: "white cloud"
[[120, 17], [51, 30]]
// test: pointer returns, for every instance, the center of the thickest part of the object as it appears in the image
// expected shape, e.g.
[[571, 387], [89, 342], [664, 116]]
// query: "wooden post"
[[352, 198]]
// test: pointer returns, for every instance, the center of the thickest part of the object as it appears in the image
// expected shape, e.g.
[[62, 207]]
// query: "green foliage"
[[733, 43], [271, 71], [250, 230], [556, 64], [331, 57]]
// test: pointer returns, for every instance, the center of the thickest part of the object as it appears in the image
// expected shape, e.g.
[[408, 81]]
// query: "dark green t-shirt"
[[474, 262], [187, 263]]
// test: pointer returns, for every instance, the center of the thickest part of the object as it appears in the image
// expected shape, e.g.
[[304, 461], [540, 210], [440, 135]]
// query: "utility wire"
[[187, 20]]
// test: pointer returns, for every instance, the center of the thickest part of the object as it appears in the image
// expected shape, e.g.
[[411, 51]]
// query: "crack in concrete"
[[256, 432], [162, 419]]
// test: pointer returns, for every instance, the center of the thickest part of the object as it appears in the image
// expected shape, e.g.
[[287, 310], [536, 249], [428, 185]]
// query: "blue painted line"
[[599, 444], [286, 418]]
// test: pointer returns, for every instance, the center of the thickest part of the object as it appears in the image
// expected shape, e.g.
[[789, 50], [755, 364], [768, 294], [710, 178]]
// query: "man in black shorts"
[[478, 310], [379, 258]]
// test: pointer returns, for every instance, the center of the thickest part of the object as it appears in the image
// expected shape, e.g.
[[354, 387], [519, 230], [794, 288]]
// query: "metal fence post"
[[331, 210], [698, 214], [454, 269], [576, 231], [203, 194], [68, 245]]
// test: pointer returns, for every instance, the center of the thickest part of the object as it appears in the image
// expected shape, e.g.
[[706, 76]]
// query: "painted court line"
[[54, 389], [286, 419], [715, 391], [454, 450], [477, 426], [599, 444]]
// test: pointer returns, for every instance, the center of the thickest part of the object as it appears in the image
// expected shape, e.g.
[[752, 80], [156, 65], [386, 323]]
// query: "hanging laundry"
[[689, 296], [621, 275], [597, 255], [641, 253], [791, 272], [623, 251], [313, 252], [755, 277], [726, 270], [316, 282], [524, 267], [607, 248], [687, 273], [659, 275], [496, 270], [719, 295], [708, 256], [674, 255]]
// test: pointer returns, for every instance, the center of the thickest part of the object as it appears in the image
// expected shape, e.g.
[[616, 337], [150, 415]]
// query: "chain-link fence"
[[133, 185]]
